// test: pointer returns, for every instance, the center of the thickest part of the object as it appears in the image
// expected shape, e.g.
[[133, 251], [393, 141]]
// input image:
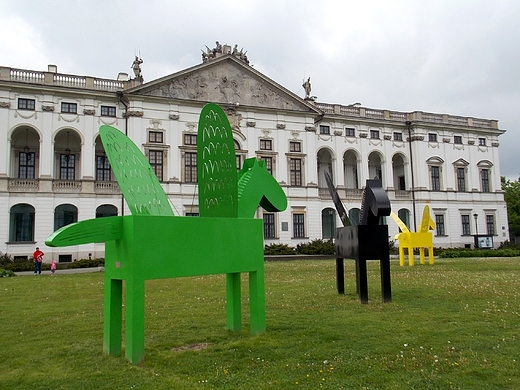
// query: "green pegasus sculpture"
[[152, 243]]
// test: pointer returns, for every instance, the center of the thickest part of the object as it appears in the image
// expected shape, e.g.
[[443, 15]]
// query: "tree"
[[512, 197]]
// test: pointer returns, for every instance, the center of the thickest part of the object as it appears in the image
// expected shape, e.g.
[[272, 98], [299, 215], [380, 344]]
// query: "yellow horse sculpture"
[[422, 239]]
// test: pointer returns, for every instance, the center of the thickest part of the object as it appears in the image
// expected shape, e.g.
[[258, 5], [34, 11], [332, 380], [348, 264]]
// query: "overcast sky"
[[456, 57]]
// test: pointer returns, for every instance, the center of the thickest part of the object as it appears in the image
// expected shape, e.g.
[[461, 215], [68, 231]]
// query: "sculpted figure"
[[136, 66], [307, 87]]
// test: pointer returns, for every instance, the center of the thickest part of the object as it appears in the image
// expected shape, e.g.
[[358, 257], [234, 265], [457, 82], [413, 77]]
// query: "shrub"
[[20, 265], [4, 273], [5, 259], [316, 247], [278, 249], [86, 263], [466, 252]]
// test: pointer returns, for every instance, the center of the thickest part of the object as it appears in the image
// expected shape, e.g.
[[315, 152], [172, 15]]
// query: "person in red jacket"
[[38, 259]]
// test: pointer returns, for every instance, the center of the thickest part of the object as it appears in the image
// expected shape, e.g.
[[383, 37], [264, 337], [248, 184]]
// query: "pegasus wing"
[[426, 221], [87, 232], [399, 223]]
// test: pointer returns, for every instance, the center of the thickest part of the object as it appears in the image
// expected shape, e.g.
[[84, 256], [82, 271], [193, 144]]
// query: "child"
[[53, 267]]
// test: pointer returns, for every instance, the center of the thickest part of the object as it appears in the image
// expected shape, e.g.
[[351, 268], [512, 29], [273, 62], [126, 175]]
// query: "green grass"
[[451, 325]]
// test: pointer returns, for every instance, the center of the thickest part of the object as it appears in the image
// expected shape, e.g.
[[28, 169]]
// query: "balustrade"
[[23, 185], [66, 185], [107, 187]]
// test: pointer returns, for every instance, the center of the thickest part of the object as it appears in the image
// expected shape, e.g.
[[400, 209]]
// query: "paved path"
[[63, 271]]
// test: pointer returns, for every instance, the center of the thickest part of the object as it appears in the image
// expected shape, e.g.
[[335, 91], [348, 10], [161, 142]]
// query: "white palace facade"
[[54, 171]]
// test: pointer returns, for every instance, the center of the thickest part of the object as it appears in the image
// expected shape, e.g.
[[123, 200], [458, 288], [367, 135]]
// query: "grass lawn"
[[453, 325]]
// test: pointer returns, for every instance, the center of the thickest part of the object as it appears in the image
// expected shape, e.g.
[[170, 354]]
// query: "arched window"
[[106, 210], [404, 215], [64, 215], [355, 216], [328, 223], [21, 226]]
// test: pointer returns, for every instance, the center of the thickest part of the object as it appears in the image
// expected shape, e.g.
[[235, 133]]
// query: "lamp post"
[[476, 224]]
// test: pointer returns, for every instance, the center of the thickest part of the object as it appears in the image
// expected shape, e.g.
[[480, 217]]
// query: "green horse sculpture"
[[152, 243]]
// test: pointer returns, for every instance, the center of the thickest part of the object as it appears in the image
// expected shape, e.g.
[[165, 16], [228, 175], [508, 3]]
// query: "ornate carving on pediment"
[[133, 113], [156, 123], [234, 120], [225, 84]]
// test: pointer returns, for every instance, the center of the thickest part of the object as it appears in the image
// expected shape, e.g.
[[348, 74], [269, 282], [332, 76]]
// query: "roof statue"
[[136, 67], [221, 50], [152, 243]]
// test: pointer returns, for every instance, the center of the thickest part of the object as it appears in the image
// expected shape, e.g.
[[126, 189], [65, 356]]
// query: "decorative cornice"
[[89, 111], [174, 117], [5, 104], [133, 113], [47, 108], [33, 115], [75, 119], [250, 123]]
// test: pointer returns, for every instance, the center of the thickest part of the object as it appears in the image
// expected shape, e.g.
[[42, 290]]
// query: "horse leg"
[[233, 301], [113, 316], [257, 301], [134, 319]]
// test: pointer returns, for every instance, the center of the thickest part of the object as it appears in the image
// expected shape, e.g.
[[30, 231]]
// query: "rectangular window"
[[69, 108], [266, 144], [482, 142], [484, 174], [298, 225], [324, 129], [155, 137], [269, 227], [398, 136], [436, 178], [190, 167], [67, 166], [102, 168], [461, 179], [295, 166], [432, 137], [490, 224], [295, 146], [26, 104], [350, 132], [268, 163], [26, 165], [190, 139], [439, 224], [374, 134], [466, 230], [238, 158], [457, 139], [108, 111], [155, 158]]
